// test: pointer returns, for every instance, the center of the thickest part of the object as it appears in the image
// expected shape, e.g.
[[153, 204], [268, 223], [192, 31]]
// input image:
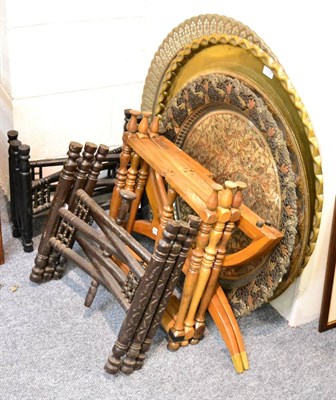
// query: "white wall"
[[76, 64], [6, 110]]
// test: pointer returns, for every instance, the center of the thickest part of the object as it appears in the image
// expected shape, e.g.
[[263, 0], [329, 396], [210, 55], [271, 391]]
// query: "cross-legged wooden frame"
[[32, 188], [141, 282], [150, 163]]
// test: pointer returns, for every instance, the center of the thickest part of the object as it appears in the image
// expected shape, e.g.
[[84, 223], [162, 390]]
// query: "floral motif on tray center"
[[236, 150]]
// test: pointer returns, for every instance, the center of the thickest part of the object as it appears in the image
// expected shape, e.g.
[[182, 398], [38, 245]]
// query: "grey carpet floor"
[[52, 347]]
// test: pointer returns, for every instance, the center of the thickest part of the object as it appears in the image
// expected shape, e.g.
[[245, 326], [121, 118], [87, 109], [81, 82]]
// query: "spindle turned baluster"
[[143, 172], [143, 128], [167, 211], [96, 167], [83, 167], [154, 127], [125, 156], [132, 172]]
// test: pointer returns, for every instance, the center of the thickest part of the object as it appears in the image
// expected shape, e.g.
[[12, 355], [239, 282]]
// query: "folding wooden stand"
[[151, 162], [79, 172], [32, 189], [143, 283]]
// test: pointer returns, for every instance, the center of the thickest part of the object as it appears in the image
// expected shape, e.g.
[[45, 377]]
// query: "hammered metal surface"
[[184, 34]]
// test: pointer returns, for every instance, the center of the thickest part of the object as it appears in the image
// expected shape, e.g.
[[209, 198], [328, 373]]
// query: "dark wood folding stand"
[[32, 189], [141, 282], [79, 172]]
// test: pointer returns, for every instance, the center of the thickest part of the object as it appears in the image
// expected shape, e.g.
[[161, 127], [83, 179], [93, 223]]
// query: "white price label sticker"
[[268, 72]]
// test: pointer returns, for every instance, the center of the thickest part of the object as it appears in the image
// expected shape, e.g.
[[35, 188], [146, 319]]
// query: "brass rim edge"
[[280, 74], [185, 33]]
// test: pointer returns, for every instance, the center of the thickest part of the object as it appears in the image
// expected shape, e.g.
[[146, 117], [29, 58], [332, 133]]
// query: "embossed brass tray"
[[225, 99]]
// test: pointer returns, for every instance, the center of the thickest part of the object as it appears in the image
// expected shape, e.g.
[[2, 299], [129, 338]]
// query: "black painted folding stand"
[[31, 190]]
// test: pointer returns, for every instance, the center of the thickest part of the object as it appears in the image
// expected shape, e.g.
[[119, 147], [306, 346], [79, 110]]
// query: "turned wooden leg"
[[149, 314], [14, 171], [194, 225], [86, 177], [219, 306], [26, 199], [206, 264], [239, 357], [39, 271], [96, 167], [13, 155], [176, 334], [64, 231], [142, 175], [225, 204], [133, 171], [141, 298]]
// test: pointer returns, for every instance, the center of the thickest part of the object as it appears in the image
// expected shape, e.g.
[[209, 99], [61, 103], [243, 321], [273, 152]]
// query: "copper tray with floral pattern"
[[226, 101]]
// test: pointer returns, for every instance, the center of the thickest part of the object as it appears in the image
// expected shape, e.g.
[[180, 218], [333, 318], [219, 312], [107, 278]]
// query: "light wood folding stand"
[[151, 162]]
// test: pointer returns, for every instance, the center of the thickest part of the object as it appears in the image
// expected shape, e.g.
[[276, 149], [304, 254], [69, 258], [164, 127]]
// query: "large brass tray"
[[213, 68]]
